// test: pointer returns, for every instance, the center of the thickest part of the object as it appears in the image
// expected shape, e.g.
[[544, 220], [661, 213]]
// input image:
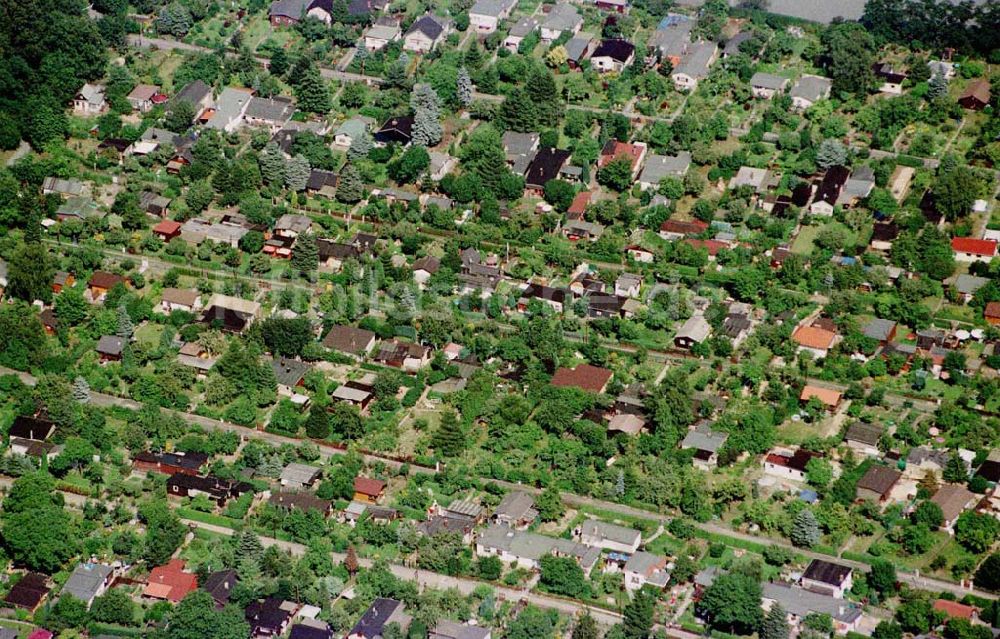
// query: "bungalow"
[[828, 397], [179, 299], [612, 55], [485, 15], [966, 286], [397, 130], [227, 115], [289, 373], [301, 501], [955, 610], [356, 342], [563, 18], [322, 183], [574, 230], [218, 490], [658, 167], [64, 188], [546, 165], [757, 179], [297, 476], [170, 582], [29, 592], [60, 280], [520, 149], [233, 313], [858, 186], [968, 249], [170, 463], [141, 97], [828, 578], [694, 66], [110, 348], [289, 12], [425, 33], [167, 230], [611, 537], [877, 483], [447, 629], [613, 149], [351, 394], [368, 490], [378, 36], [639, 254], [767, 85], [991, 313], [706, 444], [828, 190], [800, 603], [88, 582], [154, 204], [518, 32], [643, 568], [694, 331], [380, 614], [269, 113], [953, 499], [90, 100], [814, 339], [196, 231], [628, 285], [292, 225], [863, 438], [976, 95], [809, 90], [31, 428], [671, 39], [525, 549], [516, 510], [406, 355], [578, 48], [787, 465], [441, 165], [350, 130], [198, 94], [678, 229], [270, 617], [220, 585], [882, 331], [592, 379], [892, 80], [194, 355]]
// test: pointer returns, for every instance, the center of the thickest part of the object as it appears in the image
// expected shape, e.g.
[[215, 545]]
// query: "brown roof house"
[[953, 500], [368, 490], [817, 340], [584, 376], [976, 95], [828, 578], [829, 398], [349, 340], [179, 299], [877, 483]]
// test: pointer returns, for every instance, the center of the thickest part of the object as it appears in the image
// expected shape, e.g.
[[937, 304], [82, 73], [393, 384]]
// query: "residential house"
[[189, 463], [976, 95], [290, 374], [406, 355], [196, 231], [322, 183], [828, 578], [170, 582], [968, 249], [424, 267], [800, 603], [269, 113], [516, 510], [218, 490], [671, 39], [380, 614], [178, 299], [883, 235], [350, 130], [110, 348], [828, 397], [31, 428], [757, 179], [954, 499], [425, 33], [882, 331], [90, 100], [767, 85], [828, 190], [967, 285], [892, 80], [292, 225], [270, 617], [613, 149], [78, 208], [227, 115], [525, 549], [447, 629], [640, 254], [863, 438], [88, 582], [368, 490], [485, 15], [300, 501], [441, 165], [858, 186], [233, 314], [198, 94], [611, 537], [788, 465], [706, 444], [613, 54], [360, 395], [694, 66], [519, 31], [141, 97], [310, 629], [628, 285], [817, 340], [643, 568], [592, 379], [520, 149], [877, 483], [378, 36], [167, 230], [395, 130], [544, 166], [562, 18], [29, 592], [298, 476], [658, 167], [808, 90], [574, 230], [695, 330], [357, 342], [956, 610], [677, 229], [578, 49]]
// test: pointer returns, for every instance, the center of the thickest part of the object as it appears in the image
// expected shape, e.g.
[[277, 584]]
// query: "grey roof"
[[110, 345], [577, 46], [811, 88], [698, 60], [705, 438], [515, 143], [429, 25], [562, 17], [768, 81], [352, 128], [610, 532], [86, 580], [448, 629], [465, 508], [516, 505], [229, 106], [162, 136], [864, 433], [652, 567], [800, 602], [64, 187], [492, 7], [674, 39], [969, 284], [533, 546], [658, 167], [289, 371], [878, 329], [300, 473], [733, 44], [523, 27], [293, 222], [294, 9], [194, 92], [279, 109], [695, 328], [822, 11]]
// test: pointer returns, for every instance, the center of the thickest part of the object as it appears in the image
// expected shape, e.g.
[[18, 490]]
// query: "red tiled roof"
[[954, 609], [693, 227], [584, 376], [973, 246], [828, 396], [167, 227], [813, 337], [369, 486], [615, 149], [712, 246], [580, 202], [992, 309], [170, 582]]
